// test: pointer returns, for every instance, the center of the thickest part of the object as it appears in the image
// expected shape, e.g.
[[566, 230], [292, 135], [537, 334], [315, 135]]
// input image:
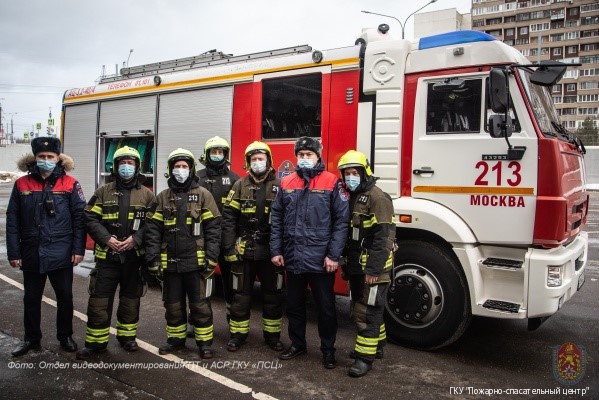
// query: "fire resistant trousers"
[[191, 286], [242, 284], [368, 306], [104, 281]]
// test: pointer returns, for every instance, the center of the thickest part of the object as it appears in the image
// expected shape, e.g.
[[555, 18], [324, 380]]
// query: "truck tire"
[[428, 303]]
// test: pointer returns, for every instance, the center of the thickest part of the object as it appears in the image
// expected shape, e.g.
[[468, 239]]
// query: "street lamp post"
[[403, 25], [131, 51]]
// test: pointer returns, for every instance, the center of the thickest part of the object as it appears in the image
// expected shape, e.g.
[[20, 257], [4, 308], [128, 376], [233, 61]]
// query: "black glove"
[[208, 269], [155, 269]]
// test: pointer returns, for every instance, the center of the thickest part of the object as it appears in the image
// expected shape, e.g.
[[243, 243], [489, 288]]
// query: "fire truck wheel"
[[428, 305]]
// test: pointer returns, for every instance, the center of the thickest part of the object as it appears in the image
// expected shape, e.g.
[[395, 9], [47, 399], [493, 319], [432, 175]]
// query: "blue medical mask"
[[181, 174], [305, 163], [46, 165], [352, 182], [258, 167], [126, 171], [217, 158]]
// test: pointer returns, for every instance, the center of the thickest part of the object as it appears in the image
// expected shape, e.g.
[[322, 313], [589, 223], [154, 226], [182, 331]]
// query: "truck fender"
[[433, 217]]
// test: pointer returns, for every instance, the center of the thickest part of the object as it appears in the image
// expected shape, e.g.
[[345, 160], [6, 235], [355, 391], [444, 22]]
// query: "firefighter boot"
[[169, 348], [235, 342], [359, 368], [273, 341], [205, 351], [87, 352]]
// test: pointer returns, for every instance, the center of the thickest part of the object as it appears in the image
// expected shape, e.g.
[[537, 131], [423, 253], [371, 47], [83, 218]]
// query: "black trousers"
[[321, 285], [368, 316], [62, 283], [177, 289], [109, 276]]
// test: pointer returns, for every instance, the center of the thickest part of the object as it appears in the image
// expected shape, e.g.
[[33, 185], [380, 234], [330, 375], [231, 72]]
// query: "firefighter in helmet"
[[218, 178], [182, 246], [115, 219], [369, 254], [246, 236]]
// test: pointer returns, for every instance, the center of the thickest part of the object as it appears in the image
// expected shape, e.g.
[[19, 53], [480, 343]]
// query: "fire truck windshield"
[[542, 105]]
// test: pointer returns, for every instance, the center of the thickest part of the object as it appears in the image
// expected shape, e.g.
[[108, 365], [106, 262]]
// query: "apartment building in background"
[[557, 30]]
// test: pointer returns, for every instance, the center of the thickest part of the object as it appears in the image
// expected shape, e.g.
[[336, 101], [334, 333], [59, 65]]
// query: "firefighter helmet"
[[257, 147], [125, 152], [215, 142], [353, 159], [182, 154]]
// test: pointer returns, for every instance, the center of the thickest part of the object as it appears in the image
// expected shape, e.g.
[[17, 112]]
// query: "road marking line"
[[231, 384]]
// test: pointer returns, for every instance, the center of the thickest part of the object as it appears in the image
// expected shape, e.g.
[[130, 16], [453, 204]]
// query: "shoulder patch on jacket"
[[343, 194], [79, 190], [275, 188]]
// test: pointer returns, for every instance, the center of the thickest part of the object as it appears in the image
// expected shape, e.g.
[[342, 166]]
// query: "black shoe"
[[25, 347], [292, 352], [359, 368], [275, 344], [68, 344], [87, 352], [130, 346], [379, 354], [329, 361], [206, 352], [170, 348], [235, 344]]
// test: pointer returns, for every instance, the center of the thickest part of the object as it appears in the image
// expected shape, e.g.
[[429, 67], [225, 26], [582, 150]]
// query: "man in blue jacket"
[[310, 219], [45, 237]]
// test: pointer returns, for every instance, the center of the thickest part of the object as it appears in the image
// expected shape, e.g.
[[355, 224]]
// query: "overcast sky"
[[47, 47]]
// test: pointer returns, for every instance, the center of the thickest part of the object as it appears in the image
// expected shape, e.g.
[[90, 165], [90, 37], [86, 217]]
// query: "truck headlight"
[[555, 276]]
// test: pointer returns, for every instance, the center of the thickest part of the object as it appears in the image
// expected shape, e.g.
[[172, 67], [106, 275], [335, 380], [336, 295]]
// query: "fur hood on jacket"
[[28, 160]]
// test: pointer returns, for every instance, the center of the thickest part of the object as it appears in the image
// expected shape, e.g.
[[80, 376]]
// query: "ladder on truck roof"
[[209, 58]]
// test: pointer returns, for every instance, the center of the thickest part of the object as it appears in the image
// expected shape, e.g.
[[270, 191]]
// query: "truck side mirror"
[[548, 74], [500, 126], [498, 90]]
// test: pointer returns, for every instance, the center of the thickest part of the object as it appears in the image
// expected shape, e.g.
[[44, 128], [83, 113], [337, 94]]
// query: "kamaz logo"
[[494, 157]]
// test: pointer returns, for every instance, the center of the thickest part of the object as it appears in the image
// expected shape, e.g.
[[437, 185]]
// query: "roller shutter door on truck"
[[187, 119], [80, 126]]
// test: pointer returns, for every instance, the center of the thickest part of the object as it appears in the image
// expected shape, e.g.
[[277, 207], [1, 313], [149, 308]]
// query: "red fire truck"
[[488, 188]]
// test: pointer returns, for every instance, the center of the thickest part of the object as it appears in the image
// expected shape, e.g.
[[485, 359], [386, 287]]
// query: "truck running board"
[[503, 263], [502, 306]]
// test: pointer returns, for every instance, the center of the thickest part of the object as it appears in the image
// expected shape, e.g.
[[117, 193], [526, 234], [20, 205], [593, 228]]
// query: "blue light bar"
[[457, 37]]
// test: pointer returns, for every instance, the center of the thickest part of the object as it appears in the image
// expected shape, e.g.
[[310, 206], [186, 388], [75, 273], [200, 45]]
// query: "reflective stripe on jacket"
[[371, 233], [183, 229], [246, 218], [103, 217]]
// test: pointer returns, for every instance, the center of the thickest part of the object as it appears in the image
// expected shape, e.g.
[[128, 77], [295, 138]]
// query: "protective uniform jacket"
[[371, 235], [183, 229], [246, 218], [44, 219], [309, 218], [219, 182], [119, 212]]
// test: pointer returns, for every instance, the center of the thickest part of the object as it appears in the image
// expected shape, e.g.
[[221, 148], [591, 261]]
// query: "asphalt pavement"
[[496, 359]]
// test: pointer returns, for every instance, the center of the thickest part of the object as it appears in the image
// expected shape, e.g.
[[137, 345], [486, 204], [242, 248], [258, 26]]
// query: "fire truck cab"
[[488, 188]]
